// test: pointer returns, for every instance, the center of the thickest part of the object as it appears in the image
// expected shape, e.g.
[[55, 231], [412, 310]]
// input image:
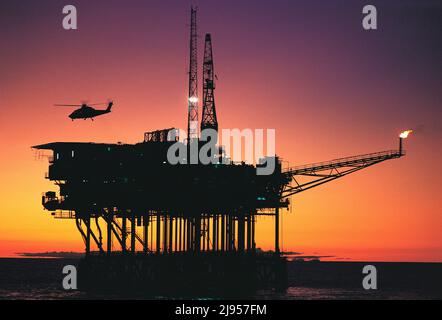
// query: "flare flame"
[[405, 134]]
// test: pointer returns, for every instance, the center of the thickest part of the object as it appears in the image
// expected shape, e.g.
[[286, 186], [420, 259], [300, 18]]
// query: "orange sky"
[[328, 90]]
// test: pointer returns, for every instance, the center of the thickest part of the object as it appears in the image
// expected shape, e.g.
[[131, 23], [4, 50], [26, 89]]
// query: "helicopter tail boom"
[[109, 106]]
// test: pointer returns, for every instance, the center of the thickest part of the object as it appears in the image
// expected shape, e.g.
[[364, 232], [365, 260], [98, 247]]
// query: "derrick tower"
[[209, 120]]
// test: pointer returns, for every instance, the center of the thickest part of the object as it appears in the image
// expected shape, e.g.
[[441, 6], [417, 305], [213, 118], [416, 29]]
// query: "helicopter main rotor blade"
[[67, 105]]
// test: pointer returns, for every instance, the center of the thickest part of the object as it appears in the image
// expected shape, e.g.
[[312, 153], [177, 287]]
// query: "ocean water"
[[24, 278]]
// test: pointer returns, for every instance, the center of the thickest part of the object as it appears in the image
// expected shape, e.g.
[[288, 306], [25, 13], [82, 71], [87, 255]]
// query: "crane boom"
[[323, 172]]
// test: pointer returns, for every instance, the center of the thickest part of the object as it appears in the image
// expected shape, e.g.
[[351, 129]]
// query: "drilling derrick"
[[192, 123], [209, 120]]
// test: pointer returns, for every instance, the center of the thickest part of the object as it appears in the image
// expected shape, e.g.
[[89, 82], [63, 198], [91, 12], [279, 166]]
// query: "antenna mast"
[[192, 123]]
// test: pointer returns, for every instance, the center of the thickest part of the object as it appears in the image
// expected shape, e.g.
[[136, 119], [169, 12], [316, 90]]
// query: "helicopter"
[[86, 111]]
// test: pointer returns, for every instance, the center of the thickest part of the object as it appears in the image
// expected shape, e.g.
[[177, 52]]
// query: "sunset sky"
[[304, 68]]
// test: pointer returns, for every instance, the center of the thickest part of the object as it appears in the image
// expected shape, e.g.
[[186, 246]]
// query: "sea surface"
[[33, 278]]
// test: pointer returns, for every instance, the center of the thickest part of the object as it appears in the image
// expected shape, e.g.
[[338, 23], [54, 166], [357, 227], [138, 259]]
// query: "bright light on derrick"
[[193, 99]]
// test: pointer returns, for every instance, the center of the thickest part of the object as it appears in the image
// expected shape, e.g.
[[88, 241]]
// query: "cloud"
[[53, 254]]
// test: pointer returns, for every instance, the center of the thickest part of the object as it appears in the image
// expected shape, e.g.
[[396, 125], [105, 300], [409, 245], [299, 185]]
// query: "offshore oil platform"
[[183, 229]]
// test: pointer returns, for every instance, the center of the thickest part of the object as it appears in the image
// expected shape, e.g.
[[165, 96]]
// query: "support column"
[[187, 234], [146, 232], [277, 231], [123, 233], [87, 221], [215, 233], [223, 232], [180, 234], [241, 232], [183, 234], [208, 233], [109, 219], [100, 236], [229, 232], [197, 234], [177, 222], [249, 232], [165, 221], [170, 234], [133, 229], [158, 241], [233, 233], [203, 234], [253, 233]]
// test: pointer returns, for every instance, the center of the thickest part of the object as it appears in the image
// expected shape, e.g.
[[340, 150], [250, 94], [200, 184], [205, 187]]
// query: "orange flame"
[[405, 134]]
